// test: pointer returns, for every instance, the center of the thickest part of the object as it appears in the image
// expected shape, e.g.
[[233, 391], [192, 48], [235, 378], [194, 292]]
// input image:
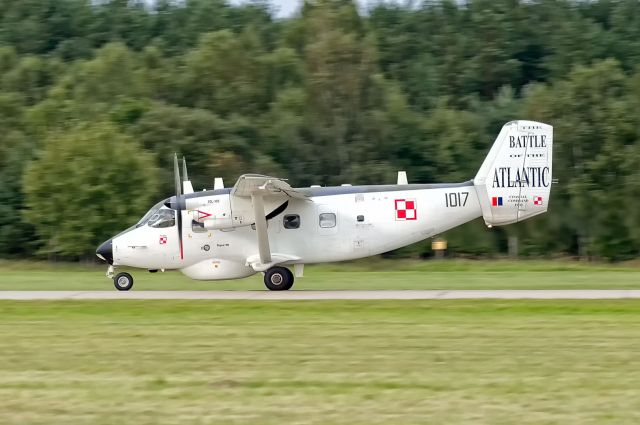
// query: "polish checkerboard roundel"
[[163, 239], [406, 209]]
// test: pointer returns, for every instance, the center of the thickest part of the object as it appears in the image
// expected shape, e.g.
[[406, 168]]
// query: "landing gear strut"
[[278, 279], [123, 281]]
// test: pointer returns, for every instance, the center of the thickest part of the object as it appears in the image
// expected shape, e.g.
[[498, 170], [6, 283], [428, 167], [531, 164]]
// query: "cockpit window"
[[149, 213], [163, 218]]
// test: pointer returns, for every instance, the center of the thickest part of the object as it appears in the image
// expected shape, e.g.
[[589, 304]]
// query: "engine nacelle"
[[225, 212], [215, 215]]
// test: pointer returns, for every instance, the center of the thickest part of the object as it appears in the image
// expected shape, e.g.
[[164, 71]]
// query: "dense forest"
[[95, 96]]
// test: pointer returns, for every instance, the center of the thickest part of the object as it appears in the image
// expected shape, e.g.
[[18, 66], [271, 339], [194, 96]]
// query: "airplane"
[[262, 224]]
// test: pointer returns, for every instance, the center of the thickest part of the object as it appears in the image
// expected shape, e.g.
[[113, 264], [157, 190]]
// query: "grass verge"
[[453, 362], [379, 274]]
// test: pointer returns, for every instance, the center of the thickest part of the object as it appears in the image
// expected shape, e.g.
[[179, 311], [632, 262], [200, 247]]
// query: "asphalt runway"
[[325, 295]]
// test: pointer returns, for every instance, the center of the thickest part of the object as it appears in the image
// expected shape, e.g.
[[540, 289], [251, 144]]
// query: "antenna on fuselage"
[[402, 177]]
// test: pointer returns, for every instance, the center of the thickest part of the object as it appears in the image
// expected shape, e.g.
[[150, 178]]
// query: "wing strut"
[[261, 228]]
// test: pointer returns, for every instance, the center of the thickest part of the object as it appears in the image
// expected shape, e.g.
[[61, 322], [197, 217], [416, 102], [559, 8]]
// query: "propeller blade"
[[179, 222], [185, 176], [176, 174], [179, 204]]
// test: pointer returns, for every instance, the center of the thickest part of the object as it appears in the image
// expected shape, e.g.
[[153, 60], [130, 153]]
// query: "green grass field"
[[370, 274], [384, 362]]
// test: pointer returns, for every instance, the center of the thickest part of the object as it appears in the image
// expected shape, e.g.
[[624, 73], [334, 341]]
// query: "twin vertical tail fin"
[[514, 182]]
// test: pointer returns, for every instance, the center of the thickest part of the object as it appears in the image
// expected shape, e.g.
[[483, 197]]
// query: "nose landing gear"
[[123, 281], [278, 279]]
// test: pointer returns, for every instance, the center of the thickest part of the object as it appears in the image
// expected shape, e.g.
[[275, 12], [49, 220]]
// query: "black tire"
[[123, 281], [278, 279]]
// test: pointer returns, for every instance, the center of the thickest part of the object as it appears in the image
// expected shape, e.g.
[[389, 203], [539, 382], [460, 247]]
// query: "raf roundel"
[[406, 209]]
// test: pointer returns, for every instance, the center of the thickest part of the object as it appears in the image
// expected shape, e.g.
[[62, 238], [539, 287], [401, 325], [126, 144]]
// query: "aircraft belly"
[[222, 255], [217, 269]]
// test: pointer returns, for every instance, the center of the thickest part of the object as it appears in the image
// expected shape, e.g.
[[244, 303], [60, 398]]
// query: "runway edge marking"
[[522, 294]]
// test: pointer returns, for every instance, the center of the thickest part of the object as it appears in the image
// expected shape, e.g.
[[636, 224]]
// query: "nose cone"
[[105, 251]]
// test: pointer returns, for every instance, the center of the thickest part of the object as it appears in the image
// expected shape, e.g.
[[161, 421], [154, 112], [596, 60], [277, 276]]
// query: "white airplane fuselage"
[[262, 223], [367, 222]]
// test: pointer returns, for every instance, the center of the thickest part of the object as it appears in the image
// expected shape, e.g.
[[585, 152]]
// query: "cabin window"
[[163, 218], [197, 227], [291, 221], [327, 220], [360, 218]]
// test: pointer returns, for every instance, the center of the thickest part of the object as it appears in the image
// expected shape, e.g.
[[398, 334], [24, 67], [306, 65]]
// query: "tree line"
[[95, 97]]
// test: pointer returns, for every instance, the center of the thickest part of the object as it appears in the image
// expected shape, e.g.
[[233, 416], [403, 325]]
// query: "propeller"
[[178, 202]]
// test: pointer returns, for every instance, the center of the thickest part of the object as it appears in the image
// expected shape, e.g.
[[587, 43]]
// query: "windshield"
[[163, 218], [151, 212]]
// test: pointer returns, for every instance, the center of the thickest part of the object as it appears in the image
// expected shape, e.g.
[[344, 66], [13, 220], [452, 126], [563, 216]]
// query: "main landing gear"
[[278, 279]]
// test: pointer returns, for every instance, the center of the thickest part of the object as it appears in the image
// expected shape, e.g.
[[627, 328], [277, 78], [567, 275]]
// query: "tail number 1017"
[[456, 199]]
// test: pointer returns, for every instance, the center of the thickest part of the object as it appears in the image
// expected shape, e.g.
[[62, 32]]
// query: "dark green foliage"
[[87, 183], [16, 235], [329, 96]]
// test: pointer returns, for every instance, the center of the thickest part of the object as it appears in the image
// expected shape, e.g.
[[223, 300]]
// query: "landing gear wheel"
[[123, 281], [278, 279]]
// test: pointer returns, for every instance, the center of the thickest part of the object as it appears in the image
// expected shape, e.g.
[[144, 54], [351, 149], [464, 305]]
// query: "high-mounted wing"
[[250, 184]]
